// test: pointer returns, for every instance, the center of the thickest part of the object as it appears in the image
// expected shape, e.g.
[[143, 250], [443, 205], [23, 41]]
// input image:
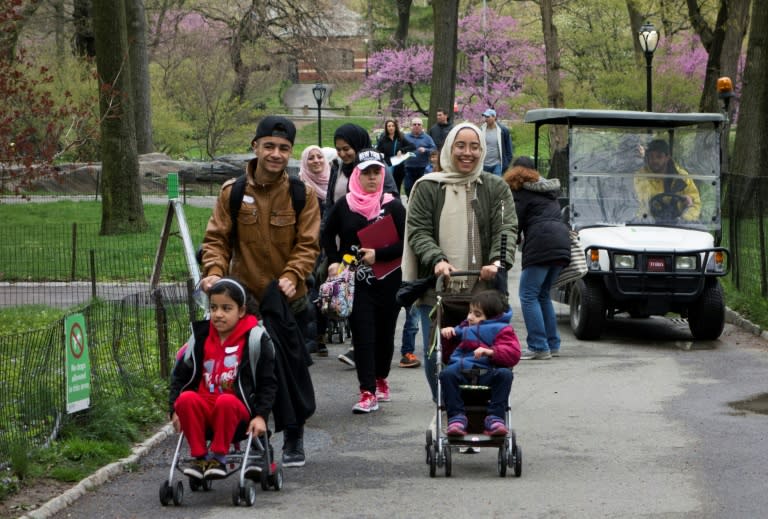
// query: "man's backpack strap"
[[298, 191], [255, 337]]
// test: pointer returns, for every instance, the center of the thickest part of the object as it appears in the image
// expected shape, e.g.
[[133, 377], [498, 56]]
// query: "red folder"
[[381, 233]]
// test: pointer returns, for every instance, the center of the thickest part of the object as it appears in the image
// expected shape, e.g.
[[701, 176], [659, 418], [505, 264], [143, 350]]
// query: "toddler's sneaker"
[[367, 403], [216, 470], [196, 468], [382, 390], [457, 426], [495, 426]]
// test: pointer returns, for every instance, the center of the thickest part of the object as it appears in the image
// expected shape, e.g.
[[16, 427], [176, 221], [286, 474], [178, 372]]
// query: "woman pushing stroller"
[[487, 348]]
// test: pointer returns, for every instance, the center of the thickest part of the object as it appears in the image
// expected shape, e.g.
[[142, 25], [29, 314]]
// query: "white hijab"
[[453, 218]]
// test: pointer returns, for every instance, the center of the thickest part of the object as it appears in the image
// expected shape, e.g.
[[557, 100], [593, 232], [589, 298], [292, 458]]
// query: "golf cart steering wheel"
[[667, 206]]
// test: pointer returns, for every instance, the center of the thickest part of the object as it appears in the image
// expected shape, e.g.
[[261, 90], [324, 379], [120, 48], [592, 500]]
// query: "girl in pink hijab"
[[374, 310]]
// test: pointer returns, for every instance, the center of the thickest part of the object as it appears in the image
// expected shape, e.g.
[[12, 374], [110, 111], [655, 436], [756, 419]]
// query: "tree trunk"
[[750, 155], [121, 209], [142, 106], [443, 85], [401, 37], [558, 134], [735, 32], [81, 17]]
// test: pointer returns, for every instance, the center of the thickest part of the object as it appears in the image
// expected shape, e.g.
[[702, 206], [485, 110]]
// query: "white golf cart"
[[650, 235]]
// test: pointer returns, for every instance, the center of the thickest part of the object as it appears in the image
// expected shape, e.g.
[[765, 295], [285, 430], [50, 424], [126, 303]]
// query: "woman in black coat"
[[546, 247], [390, 143]]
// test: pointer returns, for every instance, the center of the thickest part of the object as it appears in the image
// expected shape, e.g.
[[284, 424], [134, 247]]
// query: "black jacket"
[[295, 398], [545, 237], [256, 392]]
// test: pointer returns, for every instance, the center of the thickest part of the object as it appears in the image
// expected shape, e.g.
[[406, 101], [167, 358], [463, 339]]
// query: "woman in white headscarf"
[[455, 222], [315, 170]]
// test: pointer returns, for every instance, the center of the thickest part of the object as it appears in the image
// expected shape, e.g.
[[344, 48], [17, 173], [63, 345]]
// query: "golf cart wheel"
[[587, 305], [706, 316]]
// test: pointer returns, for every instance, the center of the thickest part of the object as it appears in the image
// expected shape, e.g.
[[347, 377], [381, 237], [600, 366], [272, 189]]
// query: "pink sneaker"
[[495, 426], [367, 403], [457, 426], [382, 390]]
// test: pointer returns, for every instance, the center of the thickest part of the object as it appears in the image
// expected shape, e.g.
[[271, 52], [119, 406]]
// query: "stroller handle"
[[440, 285]]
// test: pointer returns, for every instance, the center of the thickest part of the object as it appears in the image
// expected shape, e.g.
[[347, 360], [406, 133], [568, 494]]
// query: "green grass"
[[45, 233]]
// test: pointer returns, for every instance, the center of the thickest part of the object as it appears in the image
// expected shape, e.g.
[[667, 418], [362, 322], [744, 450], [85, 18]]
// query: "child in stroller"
[[474, 378], [223, 387], [487, 347]]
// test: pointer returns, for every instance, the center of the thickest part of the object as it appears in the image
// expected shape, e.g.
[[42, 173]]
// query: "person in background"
[[374, 310], [486, 341], [390, 144], [498, 144], [455, 222], [546, 247], [315, 171], [421, 144], [440, 129], [275, 247], [213, 386]]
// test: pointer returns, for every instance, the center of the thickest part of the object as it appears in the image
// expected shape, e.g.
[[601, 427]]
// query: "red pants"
[[221, 415]]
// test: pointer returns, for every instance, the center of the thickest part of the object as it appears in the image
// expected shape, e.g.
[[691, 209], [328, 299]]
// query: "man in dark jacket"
[[440, 130]]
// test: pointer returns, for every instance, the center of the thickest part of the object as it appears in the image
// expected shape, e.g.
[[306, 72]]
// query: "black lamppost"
[[366, 57], [649, 40], [319, 91]]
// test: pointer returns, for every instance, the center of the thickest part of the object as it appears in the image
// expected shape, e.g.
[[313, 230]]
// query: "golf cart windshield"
[[620, 176]]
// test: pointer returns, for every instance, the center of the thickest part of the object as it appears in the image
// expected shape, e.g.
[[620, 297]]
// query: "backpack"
[[336, 295], [298, 199]]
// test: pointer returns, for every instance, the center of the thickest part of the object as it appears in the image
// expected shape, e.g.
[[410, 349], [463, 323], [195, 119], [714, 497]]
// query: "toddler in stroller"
[[223, 387], [476, 381]]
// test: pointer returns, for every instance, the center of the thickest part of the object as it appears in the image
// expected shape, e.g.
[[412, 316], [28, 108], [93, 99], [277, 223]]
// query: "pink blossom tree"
[[511, 59]]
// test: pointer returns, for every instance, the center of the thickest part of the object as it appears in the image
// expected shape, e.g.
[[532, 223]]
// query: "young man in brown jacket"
[[274, 241]]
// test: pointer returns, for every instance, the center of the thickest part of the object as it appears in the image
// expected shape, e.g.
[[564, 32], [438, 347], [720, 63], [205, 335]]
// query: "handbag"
[[337, 294], [577, 268]]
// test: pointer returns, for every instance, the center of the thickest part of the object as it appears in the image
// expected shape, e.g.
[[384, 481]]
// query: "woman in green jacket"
[[455, 221]]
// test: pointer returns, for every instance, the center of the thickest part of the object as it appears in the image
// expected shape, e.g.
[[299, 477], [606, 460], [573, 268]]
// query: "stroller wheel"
[[447, 452], [249, 493], [195, 484], [166, 493], [428, 445], [236, 495], [501, 462], [432, 456], [178, 493], [276, 479], [518, 469]]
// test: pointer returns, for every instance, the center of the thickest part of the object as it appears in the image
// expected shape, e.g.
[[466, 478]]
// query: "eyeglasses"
[[416, 124]]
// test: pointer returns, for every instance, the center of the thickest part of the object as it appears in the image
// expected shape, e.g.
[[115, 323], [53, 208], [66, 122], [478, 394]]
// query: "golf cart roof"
[[628, 118]]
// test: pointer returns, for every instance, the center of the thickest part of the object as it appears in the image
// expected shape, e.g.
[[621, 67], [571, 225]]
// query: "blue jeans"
[[495, 169], [411, 176], [498, 379], [430, 364], [538, 310], [410, 329]]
